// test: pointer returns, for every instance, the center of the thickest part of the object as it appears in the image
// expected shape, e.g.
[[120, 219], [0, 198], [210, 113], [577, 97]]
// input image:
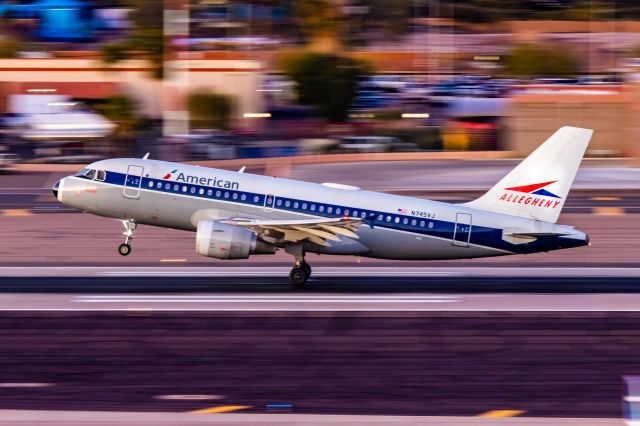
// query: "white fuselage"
[[179, 196]]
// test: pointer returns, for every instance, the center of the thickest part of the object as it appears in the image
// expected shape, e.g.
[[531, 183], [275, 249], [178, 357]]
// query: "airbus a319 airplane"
[[236, 214]]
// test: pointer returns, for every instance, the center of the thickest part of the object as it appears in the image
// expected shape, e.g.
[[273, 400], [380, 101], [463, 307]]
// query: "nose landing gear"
[[130, 228]]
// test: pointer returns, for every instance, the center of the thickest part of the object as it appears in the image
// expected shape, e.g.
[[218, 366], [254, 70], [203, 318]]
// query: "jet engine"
[[223, 241]]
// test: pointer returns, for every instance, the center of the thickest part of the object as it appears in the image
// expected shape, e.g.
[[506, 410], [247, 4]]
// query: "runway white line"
[[263, 273], [267, 297], [259, 301]]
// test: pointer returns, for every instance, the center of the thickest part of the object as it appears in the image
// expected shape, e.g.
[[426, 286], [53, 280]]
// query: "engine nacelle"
[[222, 241]]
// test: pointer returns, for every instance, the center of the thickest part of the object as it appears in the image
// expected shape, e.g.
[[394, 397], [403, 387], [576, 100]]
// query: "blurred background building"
[[213, 79]]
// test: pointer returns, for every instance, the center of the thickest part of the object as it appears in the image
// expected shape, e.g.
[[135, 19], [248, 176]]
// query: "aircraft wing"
[[317, 231]]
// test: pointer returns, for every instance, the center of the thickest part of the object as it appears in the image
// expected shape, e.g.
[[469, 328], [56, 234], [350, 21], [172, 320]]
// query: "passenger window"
[[413, 222], [338, 210], [176, 188], [313, 207], [380, 217], [167, 186], [422, 224], [405, 221], [321, 209], [279, 202], [329, 209], [287, 203], [388, 218], [201, 191], [243, 197], [346, 212], [304, 206], [218, 193], [193, 190], [256, 199], [209, 193], [150, 184], [430, 224], [363, 215], [226, 194], [184, 188], [295, 205], [235, 196]]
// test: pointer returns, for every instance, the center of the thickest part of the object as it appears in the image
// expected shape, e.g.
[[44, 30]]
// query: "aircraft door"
[[269, 202], [462, 230], [132, 182]]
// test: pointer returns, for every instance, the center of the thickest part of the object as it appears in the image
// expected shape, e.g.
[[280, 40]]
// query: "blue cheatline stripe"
[[480, 235]]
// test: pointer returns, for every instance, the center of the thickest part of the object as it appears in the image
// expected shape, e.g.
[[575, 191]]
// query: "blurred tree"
[[113, 52], [327, 82], [145, 38], [530, 60], [210, 110], [123, 111], [9, 47], [321, 20]]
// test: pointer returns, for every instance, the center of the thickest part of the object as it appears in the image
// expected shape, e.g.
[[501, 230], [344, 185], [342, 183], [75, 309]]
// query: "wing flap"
[[318, 231]]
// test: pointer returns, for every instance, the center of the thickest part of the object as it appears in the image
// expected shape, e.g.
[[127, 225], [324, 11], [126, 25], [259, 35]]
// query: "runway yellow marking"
[[221, 409], [172, 260], [605, 198], [608, 211], [15, 212], [501, 413]]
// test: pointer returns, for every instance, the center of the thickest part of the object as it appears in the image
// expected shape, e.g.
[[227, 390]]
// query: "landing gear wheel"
[[298, 277], [306, 267], [124, 249]]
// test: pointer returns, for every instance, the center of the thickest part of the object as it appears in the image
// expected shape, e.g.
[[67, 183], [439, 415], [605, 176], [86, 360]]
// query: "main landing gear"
[[130, 228], [301, 270]]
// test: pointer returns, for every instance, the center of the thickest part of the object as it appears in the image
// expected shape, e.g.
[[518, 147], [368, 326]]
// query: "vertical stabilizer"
[[538, 187]]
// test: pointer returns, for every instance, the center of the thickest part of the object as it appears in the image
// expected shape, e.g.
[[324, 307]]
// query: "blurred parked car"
[[207, 145], [374, 144], [8, 161], [416, 92]]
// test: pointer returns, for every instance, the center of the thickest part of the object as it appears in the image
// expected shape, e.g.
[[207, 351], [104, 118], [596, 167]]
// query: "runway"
[[428, 363], [443, 345]]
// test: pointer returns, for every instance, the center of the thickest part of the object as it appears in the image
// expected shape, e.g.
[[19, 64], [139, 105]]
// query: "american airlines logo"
[[168, 175], [535, 195], [201, 180]]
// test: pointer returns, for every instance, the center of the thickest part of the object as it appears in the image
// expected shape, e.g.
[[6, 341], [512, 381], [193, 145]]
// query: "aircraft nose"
[[55, 188]]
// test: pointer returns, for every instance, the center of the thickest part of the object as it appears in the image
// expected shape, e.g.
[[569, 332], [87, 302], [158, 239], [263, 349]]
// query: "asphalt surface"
[[431, 363]]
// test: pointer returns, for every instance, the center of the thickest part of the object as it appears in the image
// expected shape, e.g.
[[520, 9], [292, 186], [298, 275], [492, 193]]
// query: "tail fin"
[[537, 188]]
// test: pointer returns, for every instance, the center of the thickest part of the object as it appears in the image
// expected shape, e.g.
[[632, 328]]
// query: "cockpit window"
[[101, 175], [86, 174]]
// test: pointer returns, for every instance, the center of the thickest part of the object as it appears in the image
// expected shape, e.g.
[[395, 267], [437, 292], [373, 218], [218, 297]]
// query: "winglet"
[[146, 156], [242, 169]]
